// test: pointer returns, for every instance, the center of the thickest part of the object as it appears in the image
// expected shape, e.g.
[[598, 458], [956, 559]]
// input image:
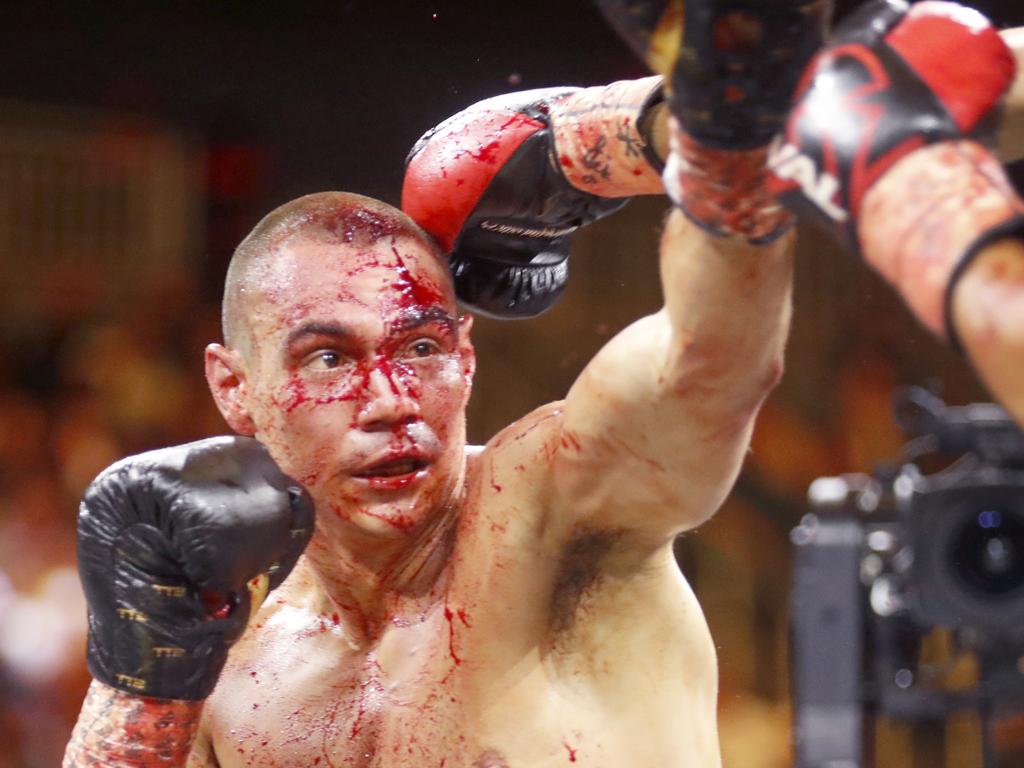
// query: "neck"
[[369, 582]]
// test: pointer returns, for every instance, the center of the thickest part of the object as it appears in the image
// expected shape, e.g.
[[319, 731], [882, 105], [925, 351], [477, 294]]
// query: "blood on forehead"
[[413, 293], [397, 279], [356, 224], [350, 223]]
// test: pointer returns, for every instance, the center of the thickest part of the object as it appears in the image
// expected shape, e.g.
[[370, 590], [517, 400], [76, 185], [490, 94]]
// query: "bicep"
[[646, 445], [663, 414]]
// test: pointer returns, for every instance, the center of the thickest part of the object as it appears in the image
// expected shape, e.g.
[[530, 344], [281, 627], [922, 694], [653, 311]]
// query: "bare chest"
[[312, 699], [454, 692]]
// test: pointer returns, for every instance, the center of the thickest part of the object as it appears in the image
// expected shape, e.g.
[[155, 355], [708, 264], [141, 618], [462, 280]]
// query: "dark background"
[[296, 97], [274, 100], [333, 94]]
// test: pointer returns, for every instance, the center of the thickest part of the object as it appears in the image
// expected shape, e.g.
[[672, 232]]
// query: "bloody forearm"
[[117, 729]]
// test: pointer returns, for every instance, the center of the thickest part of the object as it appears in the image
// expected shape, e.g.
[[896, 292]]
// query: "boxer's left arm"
[[656, 427], [654, 431]]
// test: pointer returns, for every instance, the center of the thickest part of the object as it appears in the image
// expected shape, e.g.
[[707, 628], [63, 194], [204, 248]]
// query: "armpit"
[[579, 570]]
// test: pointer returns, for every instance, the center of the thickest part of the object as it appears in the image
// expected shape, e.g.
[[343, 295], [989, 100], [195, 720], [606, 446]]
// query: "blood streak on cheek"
[[296, 393]]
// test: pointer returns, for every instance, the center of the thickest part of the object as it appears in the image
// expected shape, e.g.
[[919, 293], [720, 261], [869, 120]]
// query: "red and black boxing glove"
[[503, 185], [885, 146]]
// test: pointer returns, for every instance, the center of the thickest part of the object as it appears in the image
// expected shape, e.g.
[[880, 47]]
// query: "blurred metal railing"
[[113, 196]]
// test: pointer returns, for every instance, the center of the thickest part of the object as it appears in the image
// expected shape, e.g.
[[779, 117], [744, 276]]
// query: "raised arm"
[[652, 434], [656, 427]]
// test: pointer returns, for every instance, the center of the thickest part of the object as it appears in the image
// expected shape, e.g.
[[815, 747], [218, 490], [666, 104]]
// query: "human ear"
[[226, 377]]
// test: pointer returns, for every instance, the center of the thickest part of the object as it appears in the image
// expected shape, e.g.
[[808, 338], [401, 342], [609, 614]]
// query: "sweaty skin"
[[512, 605], [516, 605], [520, 605]]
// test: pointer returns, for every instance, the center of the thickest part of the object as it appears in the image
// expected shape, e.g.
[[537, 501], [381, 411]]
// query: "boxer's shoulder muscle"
[[583, 591]]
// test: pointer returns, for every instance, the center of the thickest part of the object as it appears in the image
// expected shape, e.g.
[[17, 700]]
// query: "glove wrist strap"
[[725, 192], [603, 138], [931, 212]]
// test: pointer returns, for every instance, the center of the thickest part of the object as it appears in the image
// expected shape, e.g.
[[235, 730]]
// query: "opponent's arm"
[[915, 190], [988, 313], [1011, 133], [988, 301], [655, 429], [171, 548]]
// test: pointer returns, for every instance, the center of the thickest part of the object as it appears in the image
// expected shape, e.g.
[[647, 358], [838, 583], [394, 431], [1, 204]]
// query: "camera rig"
[[882, 561]]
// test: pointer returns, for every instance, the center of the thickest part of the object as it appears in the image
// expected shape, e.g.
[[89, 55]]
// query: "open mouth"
[[392, 468]]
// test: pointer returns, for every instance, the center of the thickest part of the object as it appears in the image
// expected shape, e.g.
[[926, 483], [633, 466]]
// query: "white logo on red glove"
[[786, 162]]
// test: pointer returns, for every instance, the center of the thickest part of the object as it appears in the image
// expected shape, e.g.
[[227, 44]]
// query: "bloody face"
[[358, 377]]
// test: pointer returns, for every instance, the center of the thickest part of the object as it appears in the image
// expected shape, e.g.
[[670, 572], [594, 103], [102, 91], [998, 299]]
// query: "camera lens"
[[987, 552]]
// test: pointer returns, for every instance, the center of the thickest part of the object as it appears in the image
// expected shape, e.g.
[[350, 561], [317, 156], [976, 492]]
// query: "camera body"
[[881, 560]]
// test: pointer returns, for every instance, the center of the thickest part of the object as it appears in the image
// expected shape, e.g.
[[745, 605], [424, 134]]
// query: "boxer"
[[890, 146], [512, 605]]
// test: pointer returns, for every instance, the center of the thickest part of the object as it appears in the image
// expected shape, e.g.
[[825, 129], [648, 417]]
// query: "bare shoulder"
[[512, 469]]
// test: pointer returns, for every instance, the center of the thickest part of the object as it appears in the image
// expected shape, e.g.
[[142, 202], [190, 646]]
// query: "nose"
[[388, 403]]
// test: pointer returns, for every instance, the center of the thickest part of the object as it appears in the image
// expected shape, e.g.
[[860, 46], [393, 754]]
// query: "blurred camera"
[[932, 544]]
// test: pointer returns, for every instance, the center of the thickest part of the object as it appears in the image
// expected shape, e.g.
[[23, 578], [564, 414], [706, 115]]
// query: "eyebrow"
[[315, 328], [416, 317], [409, 319]]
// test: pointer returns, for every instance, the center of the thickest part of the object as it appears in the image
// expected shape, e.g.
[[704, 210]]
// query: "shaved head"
[[339, 218]]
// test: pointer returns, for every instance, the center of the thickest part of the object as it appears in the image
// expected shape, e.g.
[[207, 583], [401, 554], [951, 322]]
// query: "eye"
[[323, 360], [423, 348]]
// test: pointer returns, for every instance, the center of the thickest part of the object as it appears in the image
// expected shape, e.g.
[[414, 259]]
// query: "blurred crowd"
[[80, 386]]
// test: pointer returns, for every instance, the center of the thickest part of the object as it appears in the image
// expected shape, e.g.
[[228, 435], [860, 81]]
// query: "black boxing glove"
[[730, 69], [167, 542], [503, 185], [885, 145], [730, 66]]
